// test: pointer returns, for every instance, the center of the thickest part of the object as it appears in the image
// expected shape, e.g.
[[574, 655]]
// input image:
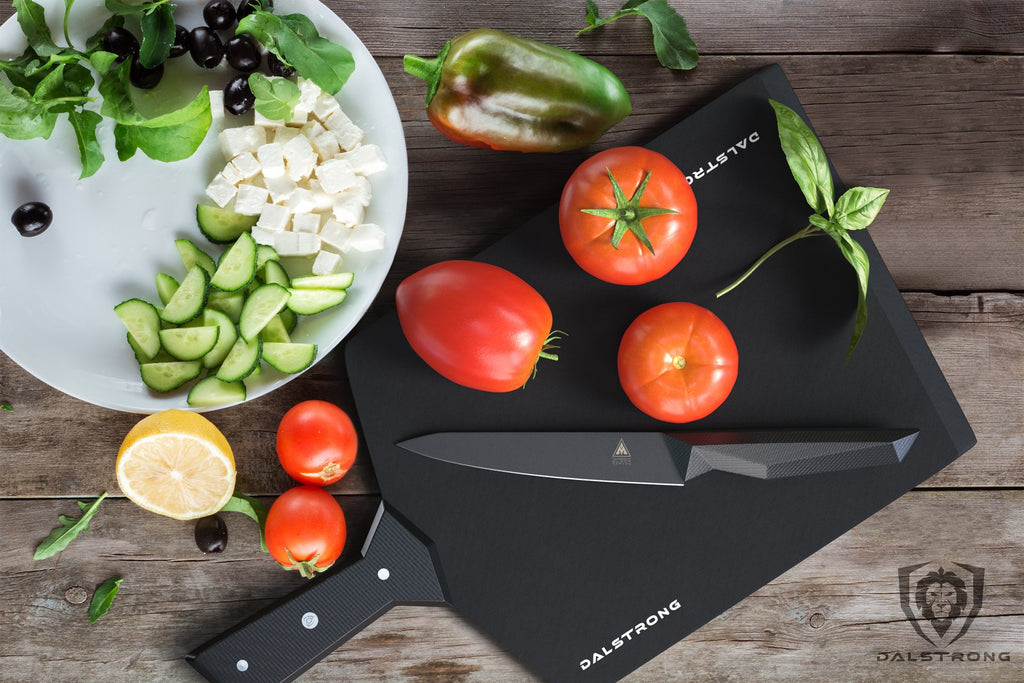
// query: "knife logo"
[[621, 455]]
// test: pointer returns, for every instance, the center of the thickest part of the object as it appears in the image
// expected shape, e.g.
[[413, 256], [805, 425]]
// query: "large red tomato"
[[316, 442], [305, 530], [476, 324], [627, 215], [677, 362]]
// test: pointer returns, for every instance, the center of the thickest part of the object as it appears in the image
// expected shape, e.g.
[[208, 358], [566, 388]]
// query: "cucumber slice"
[[228, 303], [237, 265], [222, 226], [225, 338], [243, 358], [262, 305], [191, 255], [333, 281], [289, 319], [143, 323], [274, 273], [275, 330], [265, 253], [189, 299], [140, 355], [310, 301], [169, 376], [189, 343], [289, 358], [166, 286], [211, 391]]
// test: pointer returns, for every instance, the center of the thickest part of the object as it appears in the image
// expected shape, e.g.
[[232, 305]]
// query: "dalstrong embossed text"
[[627, 636], [732, 151]]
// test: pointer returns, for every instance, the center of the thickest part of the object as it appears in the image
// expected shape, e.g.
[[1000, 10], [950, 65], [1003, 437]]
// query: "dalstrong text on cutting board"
[[733, 150], [627, 636]]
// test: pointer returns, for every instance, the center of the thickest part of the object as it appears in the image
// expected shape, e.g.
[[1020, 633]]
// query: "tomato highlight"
[[316, 443]]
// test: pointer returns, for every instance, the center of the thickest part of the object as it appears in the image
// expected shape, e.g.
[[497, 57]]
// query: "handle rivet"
[[310, 620], [383, 574], [242, 665]]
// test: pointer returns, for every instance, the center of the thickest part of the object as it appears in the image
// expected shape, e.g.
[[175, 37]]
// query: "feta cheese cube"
[[261, 120], [246, 165], [271, 158], [221, 190], [325, 105], [349, 134], [326, 145], [336, 175], [274, 218], [308, 93], [312, 129], [321, 200], [250, 199], [283, 135], [296, 243], [334, 235], [231, 174], [347, 209], [261, 236], [300, 158], [301, 201], [306, 222], [326, 262], [234, 141], [361, 189], [365, 159], [366, 237], [216, 104], [280, 188], [299, 117]]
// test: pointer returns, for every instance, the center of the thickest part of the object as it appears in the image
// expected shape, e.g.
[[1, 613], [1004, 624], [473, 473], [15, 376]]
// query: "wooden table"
[[925, 97]]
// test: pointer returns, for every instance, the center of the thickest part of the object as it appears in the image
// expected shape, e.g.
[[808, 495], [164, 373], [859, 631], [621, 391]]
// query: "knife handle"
[[281, 642]]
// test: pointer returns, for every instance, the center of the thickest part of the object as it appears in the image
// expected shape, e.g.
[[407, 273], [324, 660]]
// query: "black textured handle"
[[290, 637]]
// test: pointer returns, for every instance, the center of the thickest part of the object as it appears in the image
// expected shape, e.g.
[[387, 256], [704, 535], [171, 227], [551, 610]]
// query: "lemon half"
[[177, 464]]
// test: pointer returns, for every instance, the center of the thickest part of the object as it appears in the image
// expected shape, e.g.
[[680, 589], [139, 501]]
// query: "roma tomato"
[[677, 362], [316, 443], [476, 324], [627, 215], [305, 530]]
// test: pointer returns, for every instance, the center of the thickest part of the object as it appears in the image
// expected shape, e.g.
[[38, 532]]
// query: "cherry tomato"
[[677, 362], [305, 530], [316, 443], [476, 324], [627, 215]]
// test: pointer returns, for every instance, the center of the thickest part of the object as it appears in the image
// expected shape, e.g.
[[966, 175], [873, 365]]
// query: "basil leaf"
[[251, 508], [593, 13], [84, 123], [262, 26], [103, 597], [275, 97], [858, 206], [806, 159], [157, 36], [32, 19], [858, 258], [68, 530], [672, 42]]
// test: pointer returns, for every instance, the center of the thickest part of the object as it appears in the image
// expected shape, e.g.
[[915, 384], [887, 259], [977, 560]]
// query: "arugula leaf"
[[127, 9], [21, 118], [32, 19], [157, 35], [68, 530], [251, 508], [275, 97], [84, 123], [103, 597], [806, 158], [6, 406], [672, 42]]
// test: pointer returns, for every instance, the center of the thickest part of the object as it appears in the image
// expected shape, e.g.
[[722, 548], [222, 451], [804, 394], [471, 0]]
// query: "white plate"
[[112, 232]]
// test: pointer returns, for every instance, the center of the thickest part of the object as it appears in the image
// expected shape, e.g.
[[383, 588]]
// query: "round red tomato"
[[316, 443], [305, 530], [677, 362], [627, 215], [474, 323]]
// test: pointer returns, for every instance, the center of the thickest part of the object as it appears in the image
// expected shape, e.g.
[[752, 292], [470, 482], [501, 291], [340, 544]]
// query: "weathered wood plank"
[[834, 612]]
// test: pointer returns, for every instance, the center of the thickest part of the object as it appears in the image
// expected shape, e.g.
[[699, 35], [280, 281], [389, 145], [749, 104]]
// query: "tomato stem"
[[627, 213], [806, 232], [549, 343]]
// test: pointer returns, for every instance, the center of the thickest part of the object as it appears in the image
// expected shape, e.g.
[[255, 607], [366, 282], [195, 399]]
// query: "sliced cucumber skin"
[[334, 281], [311, 301], [189, 299], [142, 320], [274, 273], [164, 377], [289, 358], [276, 331], [191, 255], [262, 305], [225, 339], [264, 254], [189, 343], [237, 266], [222, 226], [166, 286], [243, 358], [211, 391]]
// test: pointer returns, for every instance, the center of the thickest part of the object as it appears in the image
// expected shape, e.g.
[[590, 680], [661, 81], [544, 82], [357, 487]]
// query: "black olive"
[[121, 42], [277, 67], [238, 98], [243, 54], [180, 44], [145, 78], [219, 14], [247, 7], [211, 534], [32, 218], [205, 47]]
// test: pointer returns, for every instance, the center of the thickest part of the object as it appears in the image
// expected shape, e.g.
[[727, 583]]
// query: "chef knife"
[[663, 458]]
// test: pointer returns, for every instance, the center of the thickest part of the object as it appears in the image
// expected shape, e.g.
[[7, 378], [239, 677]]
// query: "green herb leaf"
[[251, 508], [6, 406], [858, 258], [858, 206], [103, 597], [275, 97], [672, 42], [21, 118], [806, 159], [84, 123], [127, 9], [157, 35], [68, 530], [102, 61], [32, 19]]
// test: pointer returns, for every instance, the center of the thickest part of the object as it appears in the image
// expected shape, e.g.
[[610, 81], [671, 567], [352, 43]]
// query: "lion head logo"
[[936, 596]]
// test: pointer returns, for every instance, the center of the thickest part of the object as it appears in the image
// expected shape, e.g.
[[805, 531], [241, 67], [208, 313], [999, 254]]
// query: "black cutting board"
[[558, 571]]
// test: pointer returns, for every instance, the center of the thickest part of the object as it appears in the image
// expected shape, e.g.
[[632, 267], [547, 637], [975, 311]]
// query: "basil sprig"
[[854, 210], [276, 97], [68, 530], [672, 42]]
